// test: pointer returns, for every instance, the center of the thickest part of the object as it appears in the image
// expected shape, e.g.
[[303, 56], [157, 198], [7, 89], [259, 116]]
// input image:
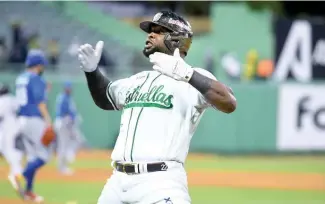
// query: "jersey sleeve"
[[199, 99], [116, 92]]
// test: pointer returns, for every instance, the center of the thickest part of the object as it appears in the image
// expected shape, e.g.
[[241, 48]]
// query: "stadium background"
[[266, 152]]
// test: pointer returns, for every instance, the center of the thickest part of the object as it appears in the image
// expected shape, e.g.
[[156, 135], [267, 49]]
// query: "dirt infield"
[[11, 201], [201, 178], [297, 181]]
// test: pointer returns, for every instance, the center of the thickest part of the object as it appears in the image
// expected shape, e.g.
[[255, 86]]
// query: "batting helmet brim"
[[146, 26]]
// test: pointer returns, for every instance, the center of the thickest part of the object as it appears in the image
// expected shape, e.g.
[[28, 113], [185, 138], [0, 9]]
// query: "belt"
[[138, 168]]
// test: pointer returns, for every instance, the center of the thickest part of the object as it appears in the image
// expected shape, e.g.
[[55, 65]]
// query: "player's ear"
[[183, 54]]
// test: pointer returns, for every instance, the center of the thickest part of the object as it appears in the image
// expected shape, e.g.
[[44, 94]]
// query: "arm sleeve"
[[199, 99], [97, 84], [116, 92]]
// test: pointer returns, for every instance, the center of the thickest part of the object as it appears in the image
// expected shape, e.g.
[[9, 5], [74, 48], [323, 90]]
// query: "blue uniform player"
[[34, 119], [69, 136]]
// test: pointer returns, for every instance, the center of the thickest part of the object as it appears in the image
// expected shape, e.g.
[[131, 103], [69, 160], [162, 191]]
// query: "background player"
[[35, 121], [161, 110], [10, 131], [69, 136]]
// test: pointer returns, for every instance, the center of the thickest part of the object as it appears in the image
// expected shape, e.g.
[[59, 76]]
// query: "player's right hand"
[[89, 57]]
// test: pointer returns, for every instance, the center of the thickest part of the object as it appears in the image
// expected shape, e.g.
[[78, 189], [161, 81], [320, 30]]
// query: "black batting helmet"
[[181, 32], [4, 89]]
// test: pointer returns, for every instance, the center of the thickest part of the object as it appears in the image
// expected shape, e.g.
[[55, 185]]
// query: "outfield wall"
[[268, 118]]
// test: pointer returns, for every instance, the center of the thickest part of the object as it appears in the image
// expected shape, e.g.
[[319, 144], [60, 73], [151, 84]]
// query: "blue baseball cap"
[[67, 84], [36, 57]]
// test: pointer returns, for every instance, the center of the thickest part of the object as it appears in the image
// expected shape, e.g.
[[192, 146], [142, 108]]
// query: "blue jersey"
[[30, 92], [65, 106]]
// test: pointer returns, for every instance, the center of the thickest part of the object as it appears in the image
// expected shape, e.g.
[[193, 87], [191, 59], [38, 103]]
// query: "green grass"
[[87, 193], [84, 193], [254, 196], [260, 165]]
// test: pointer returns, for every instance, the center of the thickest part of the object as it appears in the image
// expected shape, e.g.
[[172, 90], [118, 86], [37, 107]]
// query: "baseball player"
[[10, 130], [161, 109], [69, 136], [35, 121]]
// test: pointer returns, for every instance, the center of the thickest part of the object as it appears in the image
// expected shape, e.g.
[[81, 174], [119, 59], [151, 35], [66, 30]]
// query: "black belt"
[[130, 168]]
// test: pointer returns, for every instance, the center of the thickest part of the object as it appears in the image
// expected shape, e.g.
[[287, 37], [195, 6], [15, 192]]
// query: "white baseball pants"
[[33, 129], [69, 139], [161, 187], [9, 132]]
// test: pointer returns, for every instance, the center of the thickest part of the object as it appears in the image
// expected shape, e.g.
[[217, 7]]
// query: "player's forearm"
[[216, 93], [45, 113], [97, 85]]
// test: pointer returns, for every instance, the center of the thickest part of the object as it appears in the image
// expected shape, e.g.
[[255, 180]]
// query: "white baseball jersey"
[[8, 106], [8, 109], [159, 116]]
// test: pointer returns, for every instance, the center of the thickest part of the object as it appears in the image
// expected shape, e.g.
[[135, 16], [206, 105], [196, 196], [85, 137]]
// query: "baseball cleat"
[[30, 196], [16, 183]]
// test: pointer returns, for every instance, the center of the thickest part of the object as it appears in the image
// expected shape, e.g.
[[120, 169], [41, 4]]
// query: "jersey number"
[[21, 94], [164, 167]]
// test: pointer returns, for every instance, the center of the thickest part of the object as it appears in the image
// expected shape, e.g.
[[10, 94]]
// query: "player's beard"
[[40, 73], [154, 48]]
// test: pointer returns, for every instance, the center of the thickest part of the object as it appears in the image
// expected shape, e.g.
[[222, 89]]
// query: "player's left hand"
[[89, 57], [172, 65], [48, 136]]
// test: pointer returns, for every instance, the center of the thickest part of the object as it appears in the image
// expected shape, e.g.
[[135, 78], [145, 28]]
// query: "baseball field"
[[212, 179]]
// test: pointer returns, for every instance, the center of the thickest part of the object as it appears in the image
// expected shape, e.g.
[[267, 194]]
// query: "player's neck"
[[34, 71]]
